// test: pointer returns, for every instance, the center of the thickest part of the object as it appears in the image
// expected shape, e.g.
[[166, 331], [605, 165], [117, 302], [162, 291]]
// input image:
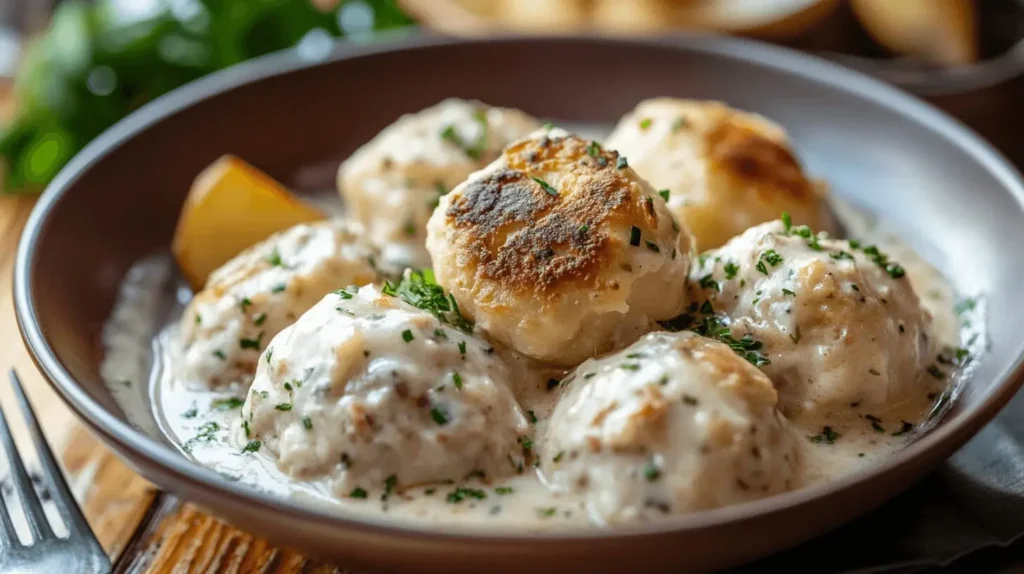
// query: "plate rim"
[[122, 437]]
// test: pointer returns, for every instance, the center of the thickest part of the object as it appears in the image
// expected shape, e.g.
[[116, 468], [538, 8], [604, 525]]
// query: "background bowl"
[[954, 198]]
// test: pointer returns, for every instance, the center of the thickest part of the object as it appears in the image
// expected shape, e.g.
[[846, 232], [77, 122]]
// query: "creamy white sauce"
[[139, 342]]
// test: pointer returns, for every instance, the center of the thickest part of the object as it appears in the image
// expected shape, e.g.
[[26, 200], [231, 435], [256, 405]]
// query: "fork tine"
[[8, 535], [30, 505], [61, 494]]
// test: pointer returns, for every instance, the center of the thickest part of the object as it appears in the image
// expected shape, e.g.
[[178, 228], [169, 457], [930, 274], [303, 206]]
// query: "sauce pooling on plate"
[[377, 397]]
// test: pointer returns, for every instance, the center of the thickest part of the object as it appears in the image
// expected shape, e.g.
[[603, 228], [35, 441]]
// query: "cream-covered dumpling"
[[393, 182], [560, 250], [263, 290], [371, 393], [723, 170], [837, 321], [673, 423]]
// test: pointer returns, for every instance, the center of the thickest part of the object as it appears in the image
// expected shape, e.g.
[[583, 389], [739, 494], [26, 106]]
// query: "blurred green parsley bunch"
[[100, 60]]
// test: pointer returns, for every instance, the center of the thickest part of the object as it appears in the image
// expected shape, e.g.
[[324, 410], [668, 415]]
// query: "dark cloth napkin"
[[975, 500]]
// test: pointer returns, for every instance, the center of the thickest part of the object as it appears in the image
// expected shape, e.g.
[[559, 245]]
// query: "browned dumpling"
[[723, 170], [559, 249]]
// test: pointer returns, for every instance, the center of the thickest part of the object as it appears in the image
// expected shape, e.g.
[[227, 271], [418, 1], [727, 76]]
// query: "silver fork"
[[80, 551]]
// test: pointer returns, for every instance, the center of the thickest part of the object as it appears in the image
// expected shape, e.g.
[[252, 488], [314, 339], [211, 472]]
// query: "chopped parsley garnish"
[[708, 282], [220, 355], [621, 162], [546, 512], [645, 123], [389, 486], [270, 352], [462, 347], [440, 417], [191, 413], [558, 456], [526, 442], [199, 320], [664, 193], [259, 319], [307, 422], [252, 446], [788, 292], [965, 306], [357, 493], [895, 270], [407, 335], [283, 407], [227, 404], [652, 246], [275, 258], [473, 150], [343, 294], [503, 490], [634, 235], [679, 123], [545, 186], [594, 149], [457, 380], [533, 417], [461, 493], [787, 222], [936, 372], [245, 427], [706, 308], [839, 255], [827, 436], [771, 257], [953, 356], [630, 366], [279, 288], [875, 423], [651, 471], [251, 343], [731, 269], [690, 400], [244, 303], [420, 289]]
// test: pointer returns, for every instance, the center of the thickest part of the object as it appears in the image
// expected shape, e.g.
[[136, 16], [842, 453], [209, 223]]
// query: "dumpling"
[[838, 321], [263, 290], [671, 424], [724, 170], [559, 250], [372, 393]]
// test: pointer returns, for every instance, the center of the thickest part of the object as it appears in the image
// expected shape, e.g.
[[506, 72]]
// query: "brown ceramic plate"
[[955, 198]]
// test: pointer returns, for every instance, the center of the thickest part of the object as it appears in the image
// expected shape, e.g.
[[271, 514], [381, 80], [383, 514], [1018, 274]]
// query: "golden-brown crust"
[[525, 236], [746, 155]]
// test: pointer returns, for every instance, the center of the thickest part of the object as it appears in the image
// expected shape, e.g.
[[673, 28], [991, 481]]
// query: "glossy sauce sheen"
[[140, 341]]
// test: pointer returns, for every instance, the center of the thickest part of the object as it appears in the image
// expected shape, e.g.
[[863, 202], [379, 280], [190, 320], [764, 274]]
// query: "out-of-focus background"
[[69, 69]]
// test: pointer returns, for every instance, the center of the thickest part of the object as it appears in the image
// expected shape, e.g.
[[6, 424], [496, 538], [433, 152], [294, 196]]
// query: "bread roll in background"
[[939, 31]]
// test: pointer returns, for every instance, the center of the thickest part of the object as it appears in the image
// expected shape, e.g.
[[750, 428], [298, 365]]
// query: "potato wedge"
[[231, 206]]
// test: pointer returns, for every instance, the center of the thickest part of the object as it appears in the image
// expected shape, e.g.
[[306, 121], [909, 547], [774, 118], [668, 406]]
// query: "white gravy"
[[139, 342]]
